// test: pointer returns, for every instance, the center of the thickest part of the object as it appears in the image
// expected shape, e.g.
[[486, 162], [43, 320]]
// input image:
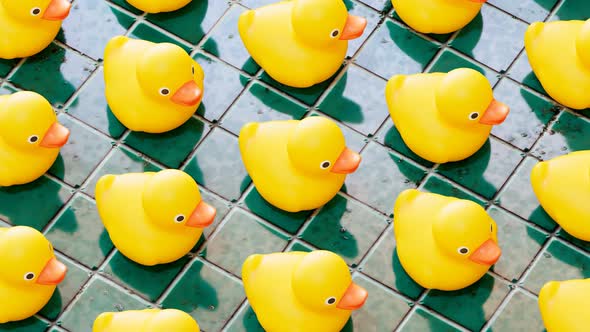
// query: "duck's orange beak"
[[479, 1], [354, 27], [354, 297], [56, 137], [57, 10], [188, 95], [53, 273], [495, 114], [487, 254], [202, 216], [347, 163]]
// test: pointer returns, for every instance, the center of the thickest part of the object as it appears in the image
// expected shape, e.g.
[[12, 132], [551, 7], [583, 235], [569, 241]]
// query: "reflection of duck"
[[437, 16], [148, 320], [564, 305], [158, 6]]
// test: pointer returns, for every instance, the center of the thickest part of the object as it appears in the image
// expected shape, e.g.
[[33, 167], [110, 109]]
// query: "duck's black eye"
[[179, 218], [33, 139], [164, 91], [325, 164], [473, 116], [463, 250], [491, 228], [29, 276], [35, 11], [335, 33], [331, 300], [193, 69]]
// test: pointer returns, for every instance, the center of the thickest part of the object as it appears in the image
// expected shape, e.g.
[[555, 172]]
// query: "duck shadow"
[[190, 17], [470, 35], [346, 110], [54, 307]]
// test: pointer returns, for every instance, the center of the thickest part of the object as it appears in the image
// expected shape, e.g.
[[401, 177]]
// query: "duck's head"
[[583, 44], [322, 281], [464, 231], [35, 10], [322, 22], [28, 259], [28, 123], [464, 98], [172, 200], [317, 146], [168, 74]]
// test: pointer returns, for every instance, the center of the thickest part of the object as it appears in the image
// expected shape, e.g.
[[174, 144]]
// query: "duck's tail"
[[250, 265], [114, 44], [104, 184], [245, 22], [103, 322], [533, 31], [404, 198]]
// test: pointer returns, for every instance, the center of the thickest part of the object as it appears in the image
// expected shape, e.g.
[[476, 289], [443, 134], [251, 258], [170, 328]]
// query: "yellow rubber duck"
[[300, 291], [564, 305], [300, 43], [437, 16], [559, 53], [562, 185], [297, 165], [158, 6], [443, 242], [153, 218], [29, 272], [148, 320], [151, 87], [444, 117], [28, 26], [30, 137]]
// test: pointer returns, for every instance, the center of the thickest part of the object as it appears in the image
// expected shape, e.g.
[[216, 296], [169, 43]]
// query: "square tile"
[[389, 136], [445, 187], [450, 59], [6, 66], [32, 324], [572, 10], [221, 206], [422, 320], [522, 72], [569, 133], [380, 5], [528, 10], [245, 321], [520, 314]]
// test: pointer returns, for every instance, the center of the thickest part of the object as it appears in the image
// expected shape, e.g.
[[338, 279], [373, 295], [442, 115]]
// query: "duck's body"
[[158, 6], [564, 305], [148, 320], [562, 186], [558, 53], [437, 16]]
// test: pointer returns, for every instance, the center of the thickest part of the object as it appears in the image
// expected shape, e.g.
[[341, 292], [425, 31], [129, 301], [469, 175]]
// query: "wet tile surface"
[[356, 224]]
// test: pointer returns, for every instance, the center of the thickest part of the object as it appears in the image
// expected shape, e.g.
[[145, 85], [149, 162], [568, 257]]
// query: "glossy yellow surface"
[[559, 53], [443, 242], [300, 42], [30, 137], [299, 291], [437, 16], [151, 87], [28, 26], [297, 165], [444, 117], [564, 305], [158, 6], [148, 320], [153, 218], [29, 272], [562, 185]]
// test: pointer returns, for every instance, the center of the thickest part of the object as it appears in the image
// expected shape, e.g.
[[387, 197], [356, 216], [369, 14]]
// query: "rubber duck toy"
[[443, 242], [29, 272], [158, 6], [148, 320], [437, 16], [297, 164], [30, 137], [300, 291], [562, 186], [559, 53], [153, 218], [564, 305], [444, 117], [151, 87], [29, 26], [300, 43]]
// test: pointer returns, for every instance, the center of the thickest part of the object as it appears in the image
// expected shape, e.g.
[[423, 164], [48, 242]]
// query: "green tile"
[[207, 294], [520, 314], [147, 32], [299, 246], [192, 21], [90, 106], [80, 156], [557, 262], [338, 228], [240, 236], [307, 95], [572, 10], [389, 135], [224, 173], [522, 72], [6, 66], [91, 24], [157, 147], [449, 60], [261, 104], [422, 320], [55, 73], [126, 5], [80, 221], [32, 324], [32, 204], [528, 10], [581, 244], [471, 306], [357, 100], [222, 207], [569, 133], [445, 187], [373, 18], [394, 49], [99, 296], [487, 170], [245, 321], [381, 177]]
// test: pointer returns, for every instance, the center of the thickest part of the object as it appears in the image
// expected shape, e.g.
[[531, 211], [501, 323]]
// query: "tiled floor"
[[356, 224]]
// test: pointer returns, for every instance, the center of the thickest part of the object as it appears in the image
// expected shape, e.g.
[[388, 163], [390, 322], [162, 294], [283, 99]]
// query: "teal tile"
[[389, 136], [147, 32], [394, 49], [520, 314], [32, 324], [357, 100], [221, 206], [300, 246], [308, 95], [449, 60], [359, 9], [261, 104], [55, 73], [80, 221], [445, 187], [568, 133], [577, 242], [6, 66], [528, 10], [126, 5], [572, 10], [422, 320], [245, 321], [91, 24], [207, 294], [337, 228]]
